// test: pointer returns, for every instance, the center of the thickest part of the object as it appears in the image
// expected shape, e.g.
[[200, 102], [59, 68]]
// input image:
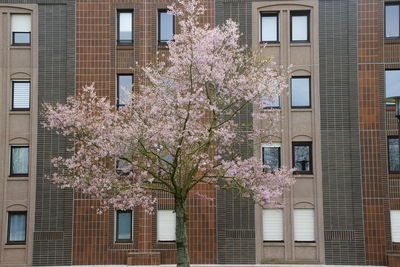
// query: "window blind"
[[21, 92], [273, 225], [395, 225], [166, 222], [304, 225], [20, 23]]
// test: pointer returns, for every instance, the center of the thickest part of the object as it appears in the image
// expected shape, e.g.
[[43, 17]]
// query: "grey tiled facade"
[[343, 212]]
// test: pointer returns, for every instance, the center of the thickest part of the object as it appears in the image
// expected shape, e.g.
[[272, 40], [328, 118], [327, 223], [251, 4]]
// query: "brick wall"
[[99, 60]]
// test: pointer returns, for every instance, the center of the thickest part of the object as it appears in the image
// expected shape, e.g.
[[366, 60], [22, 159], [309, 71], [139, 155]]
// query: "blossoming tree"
[[177, 130]]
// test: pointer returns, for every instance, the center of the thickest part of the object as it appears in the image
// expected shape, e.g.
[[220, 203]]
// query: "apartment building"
[[36, 49]]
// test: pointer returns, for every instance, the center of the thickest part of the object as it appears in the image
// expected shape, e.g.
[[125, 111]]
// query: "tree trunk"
[[181, 233]]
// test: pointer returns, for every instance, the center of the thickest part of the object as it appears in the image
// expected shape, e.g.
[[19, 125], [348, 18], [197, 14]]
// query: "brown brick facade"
[[377, 121], [99, 60]]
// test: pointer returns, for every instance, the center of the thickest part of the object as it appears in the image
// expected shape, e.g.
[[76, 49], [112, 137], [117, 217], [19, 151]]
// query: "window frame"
[[388, 153], [282, 225], [270, 14], [279, 158], [11, 161], [9, 213], [119, 42], [158, 229], [294, 227], [294, 13], [12, 95], [118, 93], [309, 92], [159, 11], [13, 43], [117, 240], [302, 143], [391, 3], [384, 84]]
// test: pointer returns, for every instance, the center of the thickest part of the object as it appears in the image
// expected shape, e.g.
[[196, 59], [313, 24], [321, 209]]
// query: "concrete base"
[[144, 258]]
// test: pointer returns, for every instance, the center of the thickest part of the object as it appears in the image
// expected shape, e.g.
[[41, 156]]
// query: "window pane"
[[166, 26], [299, 28], [301, 92], [17, 227], [304, 225], [20, 160], [21, 23], [124, 88], [269, 26], [125, 26], [273, 225], [392, 83], [392, 20], [394, 161], [124, 227], [271, 156], [21, 38], [21, 91], [166, 223], [395, 225], [302, 157], [267, 103]]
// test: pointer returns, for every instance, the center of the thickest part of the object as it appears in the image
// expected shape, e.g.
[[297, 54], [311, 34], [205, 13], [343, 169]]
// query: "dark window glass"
[[125, 82], [271, 156], [302, 157], [393, 151], [300, 26], [16, 233], [392, 83], [124, 226], [21, 95], [21, 29], [19, 161], [125, 27], [270, 27], [166, 26], [300, 88], [392, 20]]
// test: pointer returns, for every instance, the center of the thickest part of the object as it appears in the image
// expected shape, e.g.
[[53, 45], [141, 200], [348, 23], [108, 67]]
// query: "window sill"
[[21, 46], [273, 243], [270, 44], [305, 244], [301, 109], [18, 178], [20, 112], [15, 245], [299, 44], [166, 242]]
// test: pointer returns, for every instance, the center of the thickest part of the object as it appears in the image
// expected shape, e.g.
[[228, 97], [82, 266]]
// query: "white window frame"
[[275, 233], [166, 224], [304, 225], [395, 225]]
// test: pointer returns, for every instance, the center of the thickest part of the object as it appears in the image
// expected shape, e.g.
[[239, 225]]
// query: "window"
[[271, 156], [21, 95], [268, 103], [270, 27], [273, 225], [392, 83], [166, 26], [301, 90], [393, 154], [300, 26], [19, 161], [125, 27], [125, 82], [302, 157], [21, 29], [304, 225], [392, 20], [166, 222], [395, 225], [123, 226], [16, 232]]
